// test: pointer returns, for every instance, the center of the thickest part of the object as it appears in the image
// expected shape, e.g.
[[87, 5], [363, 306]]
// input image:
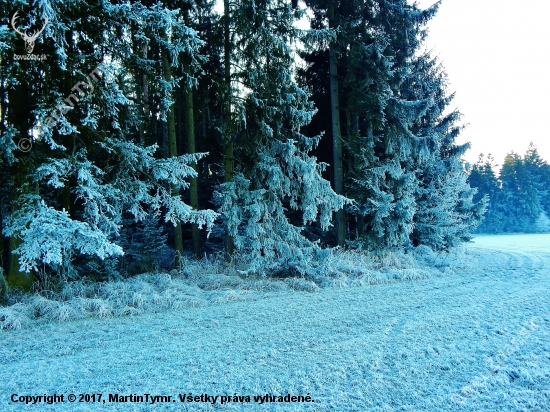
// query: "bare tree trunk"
[[16, 278], [3, 255], [68, 84], [193, 188], [336, 135], [143, 102], [357, 165], [20, 116], [139, 92], [228, 155], [144, 126]]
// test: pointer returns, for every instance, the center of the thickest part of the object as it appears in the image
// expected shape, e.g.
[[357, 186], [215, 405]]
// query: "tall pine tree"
[[273, 171]]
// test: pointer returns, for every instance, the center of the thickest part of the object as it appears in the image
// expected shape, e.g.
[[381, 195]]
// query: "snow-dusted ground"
[[473, 337]]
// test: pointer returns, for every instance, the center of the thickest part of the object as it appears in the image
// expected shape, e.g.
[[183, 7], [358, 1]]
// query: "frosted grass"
[[210, 281], [452, 340]]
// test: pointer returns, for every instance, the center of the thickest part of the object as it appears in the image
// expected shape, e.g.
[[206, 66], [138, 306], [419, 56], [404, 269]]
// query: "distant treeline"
[[518, 197]]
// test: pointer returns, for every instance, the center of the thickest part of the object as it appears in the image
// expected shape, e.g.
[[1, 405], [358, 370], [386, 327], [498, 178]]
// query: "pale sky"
[[496, 54]]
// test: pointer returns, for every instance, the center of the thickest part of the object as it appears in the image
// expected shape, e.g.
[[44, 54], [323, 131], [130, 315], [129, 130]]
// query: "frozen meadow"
[[466, 331]]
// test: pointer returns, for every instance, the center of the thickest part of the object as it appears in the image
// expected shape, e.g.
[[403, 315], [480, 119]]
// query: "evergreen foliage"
[[145, 246], [89, 166], [145, 116], [274, 171], [400, 156], [519, 197]]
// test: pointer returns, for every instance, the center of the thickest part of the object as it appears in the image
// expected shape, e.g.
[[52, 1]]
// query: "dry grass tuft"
[[14, 317], [213, 281]]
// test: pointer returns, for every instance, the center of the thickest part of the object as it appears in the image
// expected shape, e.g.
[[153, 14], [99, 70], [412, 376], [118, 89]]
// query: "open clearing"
[[471, 338]]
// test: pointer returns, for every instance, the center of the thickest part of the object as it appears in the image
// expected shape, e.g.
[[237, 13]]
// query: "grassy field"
[[470, 331]]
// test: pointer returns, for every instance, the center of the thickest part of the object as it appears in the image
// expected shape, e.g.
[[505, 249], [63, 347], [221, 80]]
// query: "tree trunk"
[[189, 113], [356, 167], [20, 116], [193, 188], [143, 102], [172, 152], [16, 278], [336, 135], [68, 84], [139, 95], [3, 255], [228, 155]]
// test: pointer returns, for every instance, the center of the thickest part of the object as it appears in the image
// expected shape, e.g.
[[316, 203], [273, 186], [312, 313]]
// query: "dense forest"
[[518, 195], [138, 135]]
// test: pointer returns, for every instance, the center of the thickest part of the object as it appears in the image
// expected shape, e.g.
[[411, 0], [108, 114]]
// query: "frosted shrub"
[[51, 237]]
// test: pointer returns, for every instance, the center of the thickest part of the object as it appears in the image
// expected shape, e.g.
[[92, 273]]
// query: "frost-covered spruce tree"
[[406, 174], [382, 176], [168, 63], [521, 193], [446, 212], [273, 171], [87, 164], [338, 78], [518, 199], [537, 184], [26, 86], [482, 177], [375, 44], [544, 176]]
